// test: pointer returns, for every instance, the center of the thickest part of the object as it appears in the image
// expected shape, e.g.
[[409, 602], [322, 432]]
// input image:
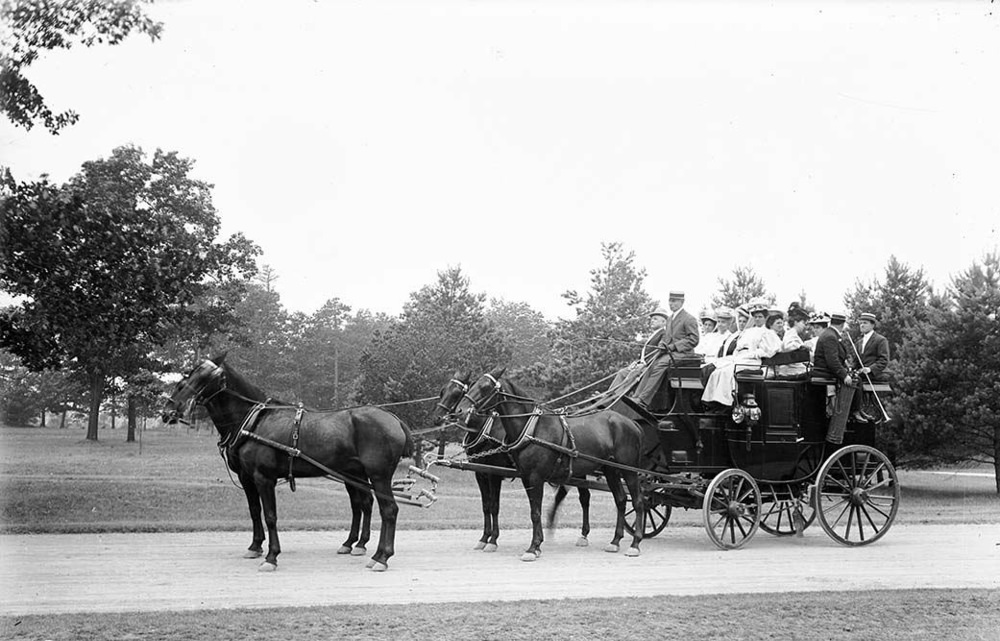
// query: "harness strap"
[[295, 445]]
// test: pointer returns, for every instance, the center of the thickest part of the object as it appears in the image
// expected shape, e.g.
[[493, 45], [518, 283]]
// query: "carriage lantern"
[[747, 411]]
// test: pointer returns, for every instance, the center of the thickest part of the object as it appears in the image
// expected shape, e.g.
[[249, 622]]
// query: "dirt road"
[[125, 572]]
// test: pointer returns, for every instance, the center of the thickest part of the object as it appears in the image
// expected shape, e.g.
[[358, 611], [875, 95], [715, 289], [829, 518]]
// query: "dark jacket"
[[831, 355], [681, 333], [875, 355]]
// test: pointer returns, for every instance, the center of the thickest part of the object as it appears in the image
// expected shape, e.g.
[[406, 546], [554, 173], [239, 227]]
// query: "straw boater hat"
[[838, 318], [867, 316], [676, 295], [659, 311], [724, 313]]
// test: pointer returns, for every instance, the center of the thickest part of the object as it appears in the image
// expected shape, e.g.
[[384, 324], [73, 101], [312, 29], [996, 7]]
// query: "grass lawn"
[[55, 481], [911, 615]]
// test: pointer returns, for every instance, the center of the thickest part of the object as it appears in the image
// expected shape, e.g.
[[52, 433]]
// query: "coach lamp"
[[747, 413]]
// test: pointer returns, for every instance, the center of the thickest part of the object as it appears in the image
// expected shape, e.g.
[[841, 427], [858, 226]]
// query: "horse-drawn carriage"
[[762, 464]]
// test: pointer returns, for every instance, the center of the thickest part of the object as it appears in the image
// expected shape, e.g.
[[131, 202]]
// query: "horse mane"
[[240, 384]]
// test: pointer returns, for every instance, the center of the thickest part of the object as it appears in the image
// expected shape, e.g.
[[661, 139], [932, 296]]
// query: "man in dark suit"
[[831, 361], [872, 351], [679, 338], [626, 377]]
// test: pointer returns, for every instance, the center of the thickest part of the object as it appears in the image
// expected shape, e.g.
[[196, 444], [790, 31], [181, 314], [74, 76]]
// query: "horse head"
[[482, 396], [200, 384], [450, 395]]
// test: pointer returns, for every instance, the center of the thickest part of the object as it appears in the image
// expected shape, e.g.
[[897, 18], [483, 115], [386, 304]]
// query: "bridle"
[[215, 374], [465, 391]]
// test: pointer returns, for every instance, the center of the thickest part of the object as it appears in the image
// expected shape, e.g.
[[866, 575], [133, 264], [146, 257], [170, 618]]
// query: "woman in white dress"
[[755, 342]]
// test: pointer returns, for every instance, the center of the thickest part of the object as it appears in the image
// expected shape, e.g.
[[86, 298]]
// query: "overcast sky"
[[368, 145]]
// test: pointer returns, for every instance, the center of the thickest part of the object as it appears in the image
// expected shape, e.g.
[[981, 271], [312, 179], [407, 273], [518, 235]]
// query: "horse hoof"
[[378, 567], [267, 567], [479, 545], [582, 542], [252, 554], [344, 549], [490, 547], [371, 563], [529, 556], [632, 552], [611, 547], [358, 551]]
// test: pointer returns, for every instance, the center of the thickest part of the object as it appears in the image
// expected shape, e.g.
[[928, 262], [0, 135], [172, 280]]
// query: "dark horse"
[[482, 438], [363, 446], [550, 448]]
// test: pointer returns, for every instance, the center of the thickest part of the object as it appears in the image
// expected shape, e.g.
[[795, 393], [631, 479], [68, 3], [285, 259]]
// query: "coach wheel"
[[731, 509], [783, 513], [856, 495], [657, 514]]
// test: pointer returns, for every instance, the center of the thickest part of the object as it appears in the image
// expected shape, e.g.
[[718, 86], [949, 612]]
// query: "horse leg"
[[361, 515], [535, 489], [387, 510], [495, 485], [265, 487], [550, 518], [614, 481], [253, 502], [485, 482], [585, 508], [638, 503], [366, 500]]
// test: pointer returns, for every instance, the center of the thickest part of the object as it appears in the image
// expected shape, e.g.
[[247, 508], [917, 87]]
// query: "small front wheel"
[[731, 509]]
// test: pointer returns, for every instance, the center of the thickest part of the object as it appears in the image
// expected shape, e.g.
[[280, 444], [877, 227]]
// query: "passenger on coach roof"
[[627, 376], [679, 338], [817, 323], [873, 348], [831, 361], [776, 323], [754, 343], [708, 322], [794, 338], [710, 344], [729, 344]]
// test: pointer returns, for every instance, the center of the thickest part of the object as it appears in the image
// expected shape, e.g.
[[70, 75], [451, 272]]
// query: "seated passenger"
[[729, 343], [708, 322], [710, 344], [794, 339], [775, 322], [755, 342], [817, 323], [627, 376], [679, 338]]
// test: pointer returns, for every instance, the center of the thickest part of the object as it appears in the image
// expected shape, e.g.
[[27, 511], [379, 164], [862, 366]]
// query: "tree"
[[443, 328], [744, 286], [610, 321], [949, 379], [109, 263], [523, 329], [899, 301], [32, 26]]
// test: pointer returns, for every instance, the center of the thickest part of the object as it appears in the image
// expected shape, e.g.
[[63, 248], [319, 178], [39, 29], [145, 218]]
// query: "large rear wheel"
[[856, 495], [731, 509]]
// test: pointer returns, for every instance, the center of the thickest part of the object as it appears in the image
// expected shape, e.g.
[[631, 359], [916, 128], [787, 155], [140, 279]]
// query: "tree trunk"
[[62, 419], [114, 408], [96, 392], [131, 419], [43, 418]]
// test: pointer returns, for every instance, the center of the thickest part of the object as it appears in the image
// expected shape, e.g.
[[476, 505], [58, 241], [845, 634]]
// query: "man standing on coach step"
[[678, 341], [831, 360]]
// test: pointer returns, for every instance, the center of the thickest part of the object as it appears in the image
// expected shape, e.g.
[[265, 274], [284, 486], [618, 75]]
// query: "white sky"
[[367, 145]]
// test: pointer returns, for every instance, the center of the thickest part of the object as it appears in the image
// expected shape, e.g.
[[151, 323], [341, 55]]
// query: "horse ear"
[[498, 372], [218, 359]]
